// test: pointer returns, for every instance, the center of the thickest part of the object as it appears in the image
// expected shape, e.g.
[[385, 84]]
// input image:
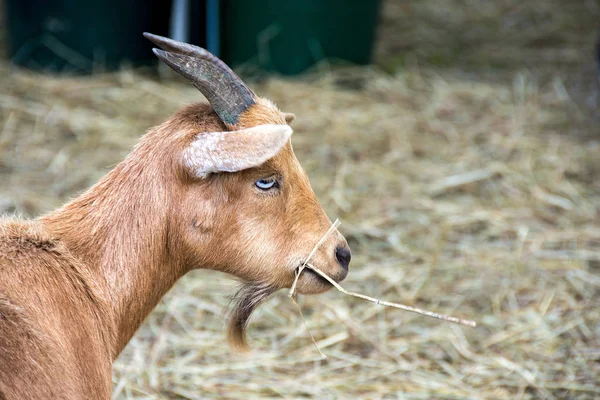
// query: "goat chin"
[[251, 295], [244, 302]]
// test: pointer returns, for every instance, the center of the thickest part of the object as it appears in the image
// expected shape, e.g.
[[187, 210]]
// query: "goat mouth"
[[317, 276], [305, 269]]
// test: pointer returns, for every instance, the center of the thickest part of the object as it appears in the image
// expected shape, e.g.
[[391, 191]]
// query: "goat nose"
[[343, 255]]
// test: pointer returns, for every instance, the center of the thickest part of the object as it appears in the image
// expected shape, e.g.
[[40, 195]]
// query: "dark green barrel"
[[83, 35], [288, 36]]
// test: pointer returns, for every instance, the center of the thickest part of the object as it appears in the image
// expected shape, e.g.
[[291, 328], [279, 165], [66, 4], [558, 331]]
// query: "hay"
[[458, 193], [333, 226], [447, 318]]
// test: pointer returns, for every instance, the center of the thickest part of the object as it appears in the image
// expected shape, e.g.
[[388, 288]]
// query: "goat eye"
[[266, 184]]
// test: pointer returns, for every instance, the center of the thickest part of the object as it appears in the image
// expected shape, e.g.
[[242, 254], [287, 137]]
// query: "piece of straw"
[[312, 253], [323, 355], [299, 271], [390, 304]]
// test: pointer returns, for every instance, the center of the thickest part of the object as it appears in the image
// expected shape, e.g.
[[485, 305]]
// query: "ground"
[[464, 167]]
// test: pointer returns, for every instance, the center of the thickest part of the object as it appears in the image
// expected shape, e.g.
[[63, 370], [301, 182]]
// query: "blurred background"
[[458, 142]]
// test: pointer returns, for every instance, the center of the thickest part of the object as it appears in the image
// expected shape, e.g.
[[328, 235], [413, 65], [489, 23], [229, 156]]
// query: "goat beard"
[[247, 299]]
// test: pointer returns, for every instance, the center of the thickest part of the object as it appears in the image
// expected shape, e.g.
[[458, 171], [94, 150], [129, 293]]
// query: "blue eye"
[[266, 184]]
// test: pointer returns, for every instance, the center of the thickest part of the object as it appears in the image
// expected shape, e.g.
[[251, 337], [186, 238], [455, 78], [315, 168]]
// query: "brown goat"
[[216, 186]]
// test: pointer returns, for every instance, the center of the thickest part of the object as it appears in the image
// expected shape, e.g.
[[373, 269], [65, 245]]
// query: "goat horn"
[[225, 91]]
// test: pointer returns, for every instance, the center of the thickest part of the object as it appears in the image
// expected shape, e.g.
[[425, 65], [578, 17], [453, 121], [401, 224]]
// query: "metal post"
[[213, 39]]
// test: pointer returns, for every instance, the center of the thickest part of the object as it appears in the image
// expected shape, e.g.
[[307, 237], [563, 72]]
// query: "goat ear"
[[289, 117], [234, 151]]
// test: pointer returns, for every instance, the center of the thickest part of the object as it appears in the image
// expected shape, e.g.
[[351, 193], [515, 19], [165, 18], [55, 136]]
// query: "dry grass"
[[385, 303], [473, 197]]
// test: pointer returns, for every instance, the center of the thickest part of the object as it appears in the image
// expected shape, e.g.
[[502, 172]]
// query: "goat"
[[216, 186]]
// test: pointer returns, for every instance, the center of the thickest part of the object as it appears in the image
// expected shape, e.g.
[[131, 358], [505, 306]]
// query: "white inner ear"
[[233, 151]]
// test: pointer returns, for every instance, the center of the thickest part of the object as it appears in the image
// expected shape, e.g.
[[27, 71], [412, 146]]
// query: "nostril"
[[343, 255]]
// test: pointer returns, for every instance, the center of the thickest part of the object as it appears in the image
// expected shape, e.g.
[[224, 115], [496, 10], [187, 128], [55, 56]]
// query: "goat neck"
[[119, 230]]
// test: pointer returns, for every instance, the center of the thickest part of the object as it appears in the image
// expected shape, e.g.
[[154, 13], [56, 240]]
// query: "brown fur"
[[76, 284]]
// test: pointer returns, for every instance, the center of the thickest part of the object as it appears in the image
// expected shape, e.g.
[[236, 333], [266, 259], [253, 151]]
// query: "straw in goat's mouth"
[[312, 253], [327, 278], [250, 296], [443, 317], [315, 274]]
